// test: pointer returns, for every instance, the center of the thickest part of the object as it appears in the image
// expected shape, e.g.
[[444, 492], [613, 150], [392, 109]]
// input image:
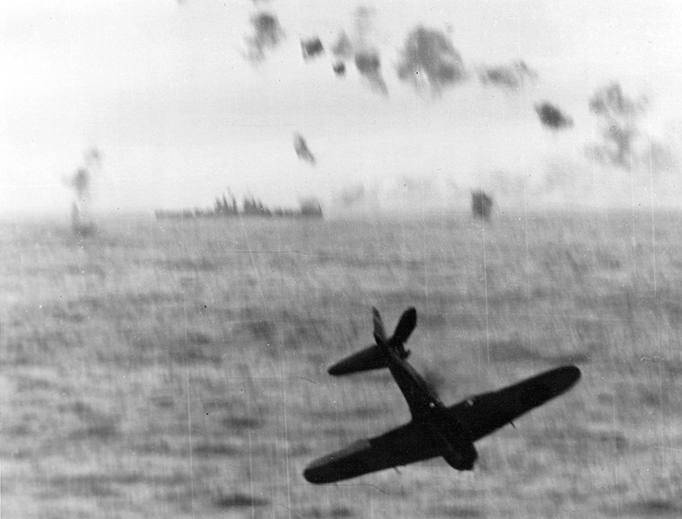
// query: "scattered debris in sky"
[[429, 56], [311, 48], [507, 76], [302, 150], [368, 64], [339, 68], [552, 117], [267, 34]]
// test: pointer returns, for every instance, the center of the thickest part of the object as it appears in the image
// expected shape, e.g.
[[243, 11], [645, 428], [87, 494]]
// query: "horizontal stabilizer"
[[372, 357], [375, 356]]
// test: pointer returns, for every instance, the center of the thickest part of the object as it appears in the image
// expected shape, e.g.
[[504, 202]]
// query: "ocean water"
[[178, 368]]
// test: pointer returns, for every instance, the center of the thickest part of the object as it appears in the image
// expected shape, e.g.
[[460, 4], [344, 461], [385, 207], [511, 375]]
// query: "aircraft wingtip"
[[570, 374], [574, 370]]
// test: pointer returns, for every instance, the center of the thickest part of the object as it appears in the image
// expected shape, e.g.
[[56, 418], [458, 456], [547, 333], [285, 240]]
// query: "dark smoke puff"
[[302, 150], [268, 34], [481, 205], [429, 52], [339, 68], [368, 64], [512, 76], [553, 117], [311, 48]]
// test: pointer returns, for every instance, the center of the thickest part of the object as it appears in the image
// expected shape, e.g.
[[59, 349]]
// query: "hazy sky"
[[165, 91]]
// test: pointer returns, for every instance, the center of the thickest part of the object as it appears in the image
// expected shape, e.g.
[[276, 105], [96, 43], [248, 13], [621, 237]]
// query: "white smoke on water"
[[554, 182], [81, 182], [397, 195]]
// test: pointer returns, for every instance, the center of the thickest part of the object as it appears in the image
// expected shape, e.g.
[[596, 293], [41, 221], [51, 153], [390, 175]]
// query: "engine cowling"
[[462, 458]]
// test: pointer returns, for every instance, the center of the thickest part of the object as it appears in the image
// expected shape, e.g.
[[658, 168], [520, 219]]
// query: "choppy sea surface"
[[178, 368]]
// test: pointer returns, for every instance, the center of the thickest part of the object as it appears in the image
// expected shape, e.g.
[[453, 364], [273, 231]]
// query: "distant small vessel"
[[251, 207]]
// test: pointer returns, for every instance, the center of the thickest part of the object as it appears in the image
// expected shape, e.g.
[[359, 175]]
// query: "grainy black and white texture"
[[177, 367]]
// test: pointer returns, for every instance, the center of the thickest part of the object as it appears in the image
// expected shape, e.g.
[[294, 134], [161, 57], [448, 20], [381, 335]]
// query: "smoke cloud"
[[364, 24], [352, 195], [368, 64], [507, 76], [339, 68], [552, 117], [343, 48], [267, 34], [302, 150], [367, 59], [662, 157], [81, 183], [619, 117], [429, 56], [355, 200]]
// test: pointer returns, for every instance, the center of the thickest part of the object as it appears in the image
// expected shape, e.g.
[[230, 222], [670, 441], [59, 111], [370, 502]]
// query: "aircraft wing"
[[407, 444], [487, 412]]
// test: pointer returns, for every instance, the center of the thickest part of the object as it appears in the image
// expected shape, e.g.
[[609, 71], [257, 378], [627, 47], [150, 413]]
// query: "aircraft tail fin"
[[406, 324], [374, 356], [379, 330]]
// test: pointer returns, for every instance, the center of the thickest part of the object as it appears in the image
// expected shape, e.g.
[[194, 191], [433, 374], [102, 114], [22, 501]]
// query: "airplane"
[[435, 429]]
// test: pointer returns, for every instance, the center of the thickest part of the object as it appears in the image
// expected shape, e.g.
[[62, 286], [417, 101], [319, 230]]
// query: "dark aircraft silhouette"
[[435, 430]]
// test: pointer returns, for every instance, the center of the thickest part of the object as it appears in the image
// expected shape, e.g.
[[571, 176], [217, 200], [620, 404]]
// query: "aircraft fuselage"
[[435, 430]]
